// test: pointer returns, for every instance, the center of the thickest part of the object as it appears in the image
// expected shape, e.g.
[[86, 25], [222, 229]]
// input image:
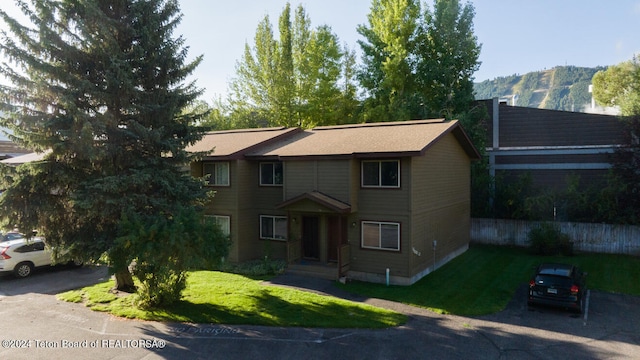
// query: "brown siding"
[[333, 177], [244, 201], [381, 201], [392, 205], [440, 202], [247, 226], [299, 177], [261, 200], [377, 261], [327, 176], [354, 184]]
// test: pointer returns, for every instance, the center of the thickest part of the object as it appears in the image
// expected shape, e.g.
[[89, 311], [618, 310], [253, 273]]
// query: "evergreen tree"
[[99, 91]]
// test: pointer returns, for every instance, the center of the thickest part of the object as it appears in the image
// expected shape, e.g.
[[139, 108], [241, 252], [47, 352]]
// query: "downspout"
[[495, 136]]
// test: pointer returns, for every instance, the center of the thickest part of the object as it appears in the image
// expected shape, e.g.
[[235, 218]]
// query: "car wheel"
[[23, 269]]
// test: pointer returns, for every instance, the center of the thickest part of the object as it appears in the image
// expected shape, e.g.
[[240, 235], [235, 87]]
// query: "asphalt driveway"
[[37, 326]]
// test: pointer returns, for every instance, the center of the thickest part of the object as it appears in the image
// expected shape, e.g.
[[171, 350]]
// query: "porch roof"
[[319, 198]]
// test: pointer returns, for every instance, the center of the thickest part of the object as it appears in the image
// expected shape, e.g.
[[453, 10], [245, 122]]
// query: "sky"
[[516, 36]]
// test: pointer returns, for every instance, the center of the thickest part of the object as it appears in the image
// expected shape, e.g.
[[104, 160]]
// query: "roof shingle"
[[372, 139]]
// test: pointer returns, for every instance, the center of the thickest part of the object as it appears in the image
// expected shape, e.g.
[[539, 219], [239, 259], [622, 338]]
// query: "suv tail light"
[[575, 289], [3, 254], [532, 283]]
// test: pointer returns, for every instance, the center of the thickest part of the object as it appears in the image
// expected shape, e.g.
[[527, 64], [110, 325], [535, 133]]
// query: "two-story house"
[[375, 202]]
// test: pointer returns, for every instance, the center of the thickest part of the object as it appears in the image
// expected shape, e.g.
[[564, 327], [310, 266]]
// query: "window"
[[224, 222], [35, 246], [381, 235], [217, 172], [271, 173], [384, 173], [273, 227]]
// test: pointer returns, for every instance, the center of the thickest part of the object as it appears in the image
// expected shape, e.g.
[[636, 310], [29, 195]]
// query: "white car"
[[21, 256]]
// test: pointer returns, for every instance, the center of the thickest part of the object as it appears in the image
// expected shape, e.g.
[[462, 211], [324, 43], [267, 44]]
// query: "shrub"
[[547, 239], [262, 267], [160, 287]]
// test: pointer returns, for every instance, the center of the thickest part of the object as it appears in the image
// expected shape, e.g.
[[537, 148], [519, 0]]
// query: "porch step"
[[323, 271]]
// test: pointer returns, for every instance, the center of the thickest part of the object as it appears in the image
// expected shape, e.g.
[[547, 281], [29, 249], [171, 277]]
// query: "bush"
[[161, 287], [262, 267], [547, 239]]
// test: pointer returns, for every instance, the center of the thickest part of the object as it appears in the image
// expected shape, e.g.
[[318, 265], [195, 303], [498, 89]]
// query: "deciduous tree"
[[294, 80], [447, 55], [388, 73], [619, 85]]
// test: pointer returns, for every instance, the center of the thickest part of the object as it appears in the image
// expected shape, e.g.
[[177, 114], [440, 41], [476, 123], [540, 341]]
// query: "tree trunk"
[[124, 281]]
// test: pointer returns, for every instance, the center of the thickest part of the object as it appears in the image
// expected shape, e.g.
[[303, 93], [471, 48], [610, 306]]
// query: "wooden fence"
[[600, 238]]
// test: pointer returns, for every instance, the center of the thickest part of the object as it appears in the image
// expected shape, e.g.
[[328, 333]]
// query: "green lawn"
[[222, 298], [484, 279], [480, 281]]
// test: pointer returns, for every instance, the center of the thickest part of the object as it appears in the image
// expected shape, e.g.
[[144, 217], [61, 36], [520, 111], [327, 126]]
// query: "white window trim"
[[379, 186], [274, 173], [213, 176], [273, 218], [379, 224]]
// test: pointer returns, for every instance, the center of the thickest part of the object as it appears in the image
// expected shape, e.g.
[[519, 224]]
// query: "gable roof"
[[386, 139], [318, 198], [233, 144]]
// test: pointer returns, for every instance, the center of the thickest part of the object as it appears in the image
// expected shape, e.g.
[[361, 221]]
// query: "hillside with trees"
[[561, 88]]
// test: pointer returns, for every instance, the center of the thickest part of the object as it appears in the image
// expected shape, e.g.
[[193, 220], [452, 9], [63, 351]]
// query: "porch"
[[317, 243], [324, 270]]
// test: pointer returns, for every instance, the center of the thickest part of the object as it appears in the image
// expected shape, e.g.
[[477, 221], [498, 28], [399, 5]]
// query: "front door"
[[311, 237], [336, 232]]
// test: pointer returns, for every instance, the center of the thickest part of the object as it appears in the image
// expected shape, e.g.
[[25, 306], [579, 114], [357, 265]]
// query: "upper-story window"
[[381, 173], [271, 173], [217, 172]]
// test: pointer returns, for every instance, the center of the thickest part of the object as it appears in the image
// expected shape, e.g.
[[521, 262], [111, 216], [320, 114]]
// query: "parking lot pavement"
[[608, 329], [52, 280], [37, 326]]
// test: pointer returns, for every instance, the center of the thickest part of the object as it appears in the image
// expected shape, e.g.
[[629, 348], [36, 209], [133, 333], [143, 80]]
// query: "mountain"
[[561, 88]]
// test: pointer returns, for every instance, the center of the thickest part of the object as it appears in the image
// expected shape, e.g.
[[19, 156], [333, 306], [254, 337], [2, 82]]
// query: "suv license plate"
[[552, 291]]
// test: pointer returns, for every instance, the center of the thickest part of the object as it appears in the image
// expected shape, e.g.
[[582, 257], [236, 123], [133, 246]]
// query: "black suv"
[[559, 285]]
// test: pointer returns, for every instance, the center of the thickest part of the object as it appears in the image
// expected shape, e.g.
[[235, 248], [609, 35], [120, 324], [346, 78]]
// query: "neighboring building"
[[9, 150], [550, 145], [360, 200]]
